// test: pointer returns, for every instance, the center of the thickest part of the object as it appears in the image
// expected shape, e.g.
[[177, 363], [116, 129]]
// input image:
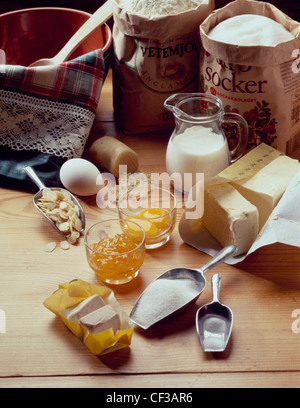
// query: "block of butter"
[[85, 307], [65, 300], [229, 217], [267, 186], [100, 320]]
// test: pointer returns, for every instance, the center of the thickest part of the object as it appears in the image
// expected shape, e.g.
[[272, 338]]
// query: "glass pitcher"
[[198, 144]]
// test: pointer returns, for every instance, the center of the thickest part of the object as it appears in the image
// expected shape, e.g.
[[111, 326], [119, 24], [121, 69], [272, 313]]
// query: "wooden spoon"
[[100, 16], [2, 57]]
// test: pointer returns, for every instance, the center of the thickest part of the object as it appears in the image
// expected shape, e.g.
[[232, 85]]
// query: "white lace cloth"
[[51, 108], [52, 127]]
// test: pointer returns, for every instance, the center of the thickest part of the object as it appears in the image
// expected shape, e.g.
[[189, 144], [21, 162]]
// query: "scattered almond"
[[50, 247], [64, 245]]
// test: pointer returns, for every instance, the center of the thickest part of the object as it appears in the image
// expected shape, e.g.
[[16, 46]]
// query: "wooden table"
[[37, 350]]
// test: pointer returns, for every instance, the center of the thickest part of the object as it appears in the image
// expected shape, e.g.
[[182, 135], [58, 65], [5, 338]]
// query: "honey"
[[118, 244], [116, 259]]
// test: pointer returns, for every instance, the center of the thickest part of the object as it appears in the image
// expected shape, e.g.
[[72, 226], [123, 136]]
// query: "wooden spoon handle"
[[2, 57], [101, 15]]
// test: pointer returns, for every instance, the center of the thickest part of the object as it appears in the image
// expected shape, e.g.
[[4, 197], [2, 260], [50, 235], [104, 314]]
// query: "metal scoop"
[[34, 177], [214, 321], [174, 291]]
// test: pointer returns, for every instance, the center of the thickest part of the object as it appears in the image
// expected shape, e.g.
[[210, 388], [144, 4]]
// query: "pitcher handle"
[[243, 131]]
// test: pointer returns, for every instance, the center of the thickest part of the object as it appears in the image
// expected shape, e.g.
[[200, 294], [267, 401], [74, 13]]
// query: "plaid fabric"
[[50, 109], [77, 82]]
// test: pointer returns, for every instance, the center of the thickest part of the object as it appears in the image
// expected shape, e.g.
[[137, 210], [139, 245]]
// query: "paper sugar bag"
[[259, 81]]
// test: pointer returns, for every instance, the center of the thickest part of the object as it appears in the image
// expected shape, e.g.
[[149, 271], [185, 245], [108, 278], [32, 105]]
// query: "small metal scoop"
[[214, 321], [174, 291], [34, 177]]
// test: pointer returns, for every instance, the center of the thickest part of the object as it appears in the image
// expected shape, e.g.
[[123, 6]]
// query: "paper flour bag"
[[248, 60], [156, 54]]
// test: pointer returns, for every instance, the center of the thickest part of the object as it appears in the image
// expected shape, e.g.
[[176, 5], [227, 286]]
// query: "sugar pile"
[[214, 330], [162, 297], [250, 29]]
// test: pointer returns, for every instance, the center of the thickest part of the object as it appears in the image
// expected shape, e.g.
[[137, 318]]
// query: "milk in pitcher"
[[197, 150]]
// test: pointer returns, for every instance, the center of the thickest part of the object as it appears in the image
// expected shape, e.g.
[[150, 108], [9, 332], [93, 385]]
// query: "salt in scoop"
[[174, 291], [34, 177], [214, 321]]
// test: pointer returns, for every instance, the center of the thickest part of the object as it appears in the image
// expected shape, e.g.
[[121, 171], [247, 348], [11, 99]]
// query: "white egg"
[[79, 176]]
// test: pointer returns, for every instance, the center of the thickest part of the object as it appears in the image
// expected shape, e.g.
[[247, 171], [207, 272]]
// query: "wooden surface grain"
[[37, 350]]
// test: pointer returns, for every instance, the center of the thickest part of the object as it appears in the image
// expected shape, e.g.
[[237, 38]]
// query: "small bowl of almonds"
[[60, 208]]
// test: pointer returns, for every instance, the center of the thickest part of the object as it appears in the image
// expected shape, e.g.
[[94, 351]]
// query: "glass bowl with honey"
[[113, 252], [153, 209]]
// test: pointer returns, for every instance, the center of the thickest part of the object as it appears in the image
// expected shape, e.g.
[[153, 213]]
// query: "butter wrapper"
[[282, 226], [69, 295]]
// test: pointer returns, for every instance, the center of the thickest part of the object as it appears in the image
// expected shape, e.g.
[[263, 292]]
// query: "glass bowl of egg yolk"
[[113, 252], [153, 209]]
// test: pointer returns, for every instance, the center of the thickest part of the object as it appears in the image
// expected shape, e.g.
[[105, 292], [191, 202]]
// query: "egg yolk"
[[154, 221]]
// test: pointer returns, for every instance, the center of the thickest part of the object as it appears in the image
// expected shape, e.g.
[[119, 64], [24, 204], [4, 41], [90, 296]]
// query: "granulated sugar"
[[158, 8], [214, 330], [250, 29], [163, 297]]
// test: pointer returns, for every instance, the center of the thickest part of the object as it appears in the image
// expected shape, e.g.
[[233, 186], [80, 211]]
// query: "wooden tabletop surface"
[[37, 350]]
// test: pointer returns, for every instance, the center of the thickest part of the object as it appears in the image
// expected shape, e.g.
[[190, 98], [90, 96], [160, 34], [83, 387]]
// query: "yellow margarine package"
[[93, 314]]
